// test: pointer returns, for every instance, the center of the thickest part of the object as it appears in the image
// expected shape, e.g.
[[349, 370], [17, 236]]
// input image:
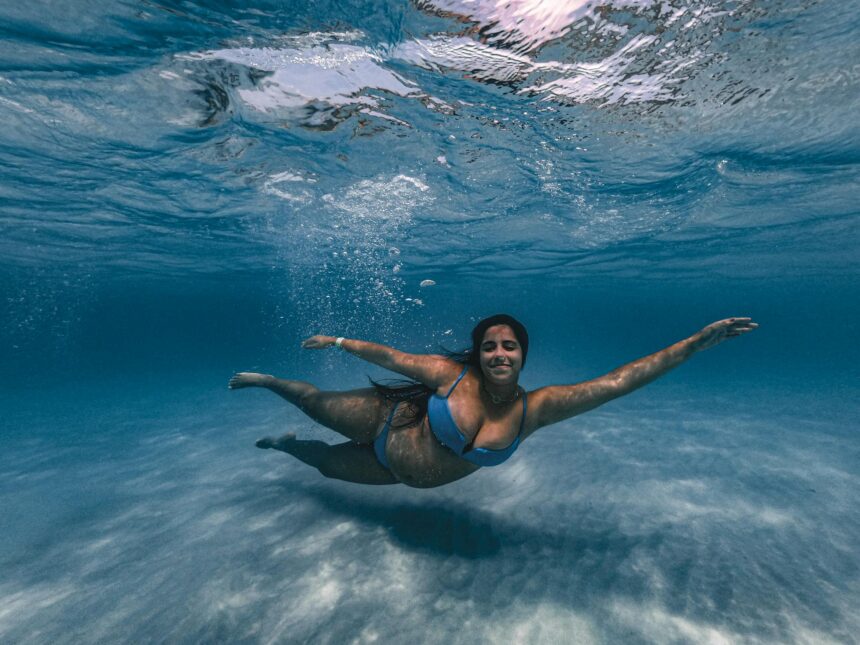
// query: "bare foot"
[[247, 379], [278, 444]]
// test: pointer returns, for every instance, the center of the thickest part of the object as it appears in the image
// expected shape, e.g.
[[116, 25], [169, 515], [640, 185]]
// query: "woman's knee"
[[309, 400]]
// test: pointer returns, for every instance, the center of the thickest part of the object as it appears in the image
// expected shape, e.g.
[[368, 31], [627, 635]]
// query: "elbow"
[[616, 385]]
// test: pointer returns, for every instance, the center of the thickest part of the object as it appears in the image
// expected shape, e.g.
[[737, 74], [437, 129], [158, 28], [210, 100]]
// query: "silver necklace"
[[497, 399]]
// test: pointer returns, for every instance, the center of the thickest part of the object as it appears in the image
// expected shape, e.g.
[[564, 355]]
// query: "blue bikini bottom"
[[382, 439]]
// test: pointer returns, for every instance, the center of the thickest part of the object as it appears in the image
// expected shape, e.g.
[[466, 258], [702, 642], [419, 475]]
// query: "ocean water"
[[189, 189]]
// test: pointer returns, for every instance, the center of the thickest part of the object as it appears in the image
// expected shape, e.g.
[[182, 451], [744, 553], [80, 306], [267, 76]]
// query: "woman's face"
[[501, 355]]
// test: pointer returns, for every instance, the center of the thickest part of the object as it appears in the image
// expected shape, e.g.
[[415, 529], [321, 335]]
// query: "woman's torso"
[[416, 456]]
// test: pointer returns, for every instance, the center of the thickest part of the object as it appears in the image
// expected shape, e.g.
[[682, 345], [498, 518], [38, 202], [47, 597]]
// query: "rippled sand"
[[654, 521]]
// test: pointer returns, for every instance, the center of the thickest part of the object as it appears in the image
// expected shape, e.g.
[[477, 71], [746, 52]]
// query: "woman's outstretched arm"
[[431, 370], [558, 402]]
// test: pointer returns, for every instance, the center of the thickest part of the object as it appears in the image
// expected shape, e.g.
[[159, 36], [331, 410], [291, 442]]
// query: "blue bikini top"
[[445, 428]]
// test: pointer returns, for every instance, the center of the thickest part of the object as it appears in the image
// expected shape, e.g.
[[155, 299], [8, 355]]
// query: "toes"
[[238, 380]]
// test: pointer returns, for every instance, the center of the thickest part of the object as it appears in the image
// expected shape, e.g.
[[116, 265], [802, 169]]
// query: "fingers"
[[745, 326], [727, 328], [741, 328], [738, 323]]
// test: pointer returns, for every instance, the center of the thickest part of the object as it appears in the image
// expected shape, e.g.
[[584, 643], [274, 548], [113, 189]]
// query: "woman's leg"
[[348, 461], [356, 414]]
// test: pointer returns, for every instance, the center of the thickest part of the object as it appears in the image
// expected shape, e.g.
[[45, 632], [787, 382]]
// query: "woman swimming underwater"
[[463, 412]]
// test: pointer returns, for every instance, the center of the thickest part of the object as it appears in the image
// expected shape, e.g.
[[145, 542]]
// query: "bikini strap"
[[462, 374], [391, 414], [525, 407]]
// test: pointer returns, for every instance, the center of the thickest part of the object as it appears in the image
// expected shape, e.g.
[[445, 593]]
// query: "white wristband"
[[339, 342]]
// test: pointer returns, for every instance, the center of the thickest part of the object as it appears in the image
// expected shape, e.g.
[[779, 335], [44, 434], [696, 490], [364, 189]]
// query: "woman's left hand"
[[717, 332], [318, 342]]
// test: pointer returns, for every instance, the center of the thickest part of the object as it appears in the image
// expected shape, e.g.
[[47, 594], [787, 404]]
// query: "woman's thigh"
[[356, 414]]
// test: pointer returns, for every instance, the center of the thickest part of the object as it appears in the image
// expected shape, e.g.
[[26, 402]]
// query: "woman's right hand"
[[721, 330], [318, 342]]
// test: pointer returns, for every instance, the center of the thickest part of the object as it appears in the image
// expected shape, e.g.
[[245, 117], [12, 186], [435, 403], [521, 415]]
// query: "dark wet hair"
[[417, 394]]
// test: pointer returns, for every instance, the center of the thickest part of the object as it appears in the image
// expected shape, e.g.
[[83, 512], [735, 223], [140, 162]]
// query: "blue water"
[[190, 189]]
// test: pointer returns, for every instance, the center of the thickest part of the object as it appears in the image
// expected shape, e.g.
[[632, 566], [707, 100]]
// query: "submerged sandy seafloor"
[[680, 516]]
